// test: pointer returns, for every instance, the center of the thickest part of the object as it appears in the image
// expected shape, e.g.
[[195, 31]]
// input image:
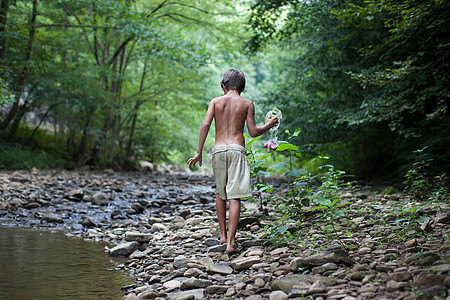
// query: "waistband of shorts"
[[231, 147]]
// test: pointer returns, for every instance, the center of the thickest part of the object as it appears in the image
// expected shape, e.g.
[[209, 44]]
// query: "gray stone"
[[52, 218], [100, 199], [219, 269], [286, 284], [172, 284], [180, 262], [439, 269], [245, 262], [158, 227], [218, 248], [317, 287], [195, 283], [324, 268], [317, 259], [423, 258], [212, 242], [400, 276], [124, 249], [259, 283], [216, 289], [193, 272], [137, 236], [393, 285], [196, 294], [75, 195]]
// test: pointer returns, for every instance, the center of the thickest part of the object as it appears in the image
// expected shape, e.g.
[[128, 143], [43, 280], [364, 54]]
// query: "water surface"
[[49, 265]]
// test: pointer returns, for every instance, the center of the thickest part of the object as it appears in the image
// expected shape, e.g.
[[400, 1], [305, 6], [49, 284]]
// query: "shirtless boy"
[[229, 160]]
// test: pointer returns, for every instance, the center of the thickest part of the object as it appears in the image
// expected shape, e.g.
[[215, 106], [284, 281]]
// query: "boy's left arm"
[[204, 129]]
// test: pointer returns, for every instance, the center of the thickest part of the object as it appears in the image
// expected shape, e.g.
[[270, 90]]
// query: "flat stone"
[[124, 249], [216, 289], [137, 236], [317, 259], [400, 276], [172, 284], [317, 287], [259, 283], [52, 218], [195, 283], [218, 248], [195, 293], [219, 269], [158, 227], [212, 242], [286, 284], [326, 267], [245, 262], [439, 269], [423, 258], [426, 280]]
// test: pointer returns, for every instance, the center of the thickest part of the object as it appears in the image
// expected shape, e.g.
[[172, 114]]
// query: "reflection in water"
[[48, 265]]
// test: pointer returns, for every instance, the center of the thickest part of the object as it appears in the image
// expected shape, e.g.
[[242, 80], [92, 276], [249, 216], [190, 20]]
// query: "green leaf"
[[283, 229], [323, 201], [287, 146], [262, 173], [296, 172], [278, 166]]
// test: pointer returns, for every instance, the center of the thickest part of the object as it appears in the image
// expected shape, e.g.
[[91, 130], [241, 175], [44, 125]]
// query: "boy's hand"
[[192, 161], [273, 122]]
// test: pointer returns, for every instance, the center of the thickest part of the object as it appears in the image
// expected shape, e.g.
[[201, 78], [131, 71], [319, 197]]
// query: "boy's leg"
[[221, 209], [233, 220]]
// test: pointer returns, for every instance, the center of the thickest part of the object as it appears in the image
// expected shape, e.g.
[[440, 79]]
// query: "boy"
[[229, 160]]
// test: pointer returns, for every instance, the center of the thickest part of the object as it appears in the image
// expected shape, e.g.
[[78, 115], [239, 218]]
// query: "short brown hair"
[[233, 80]]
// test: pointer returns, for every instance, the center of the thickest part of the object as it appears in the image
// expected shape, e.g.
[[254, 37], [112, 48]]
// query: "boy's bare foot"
[[232, 250], [223, 240]]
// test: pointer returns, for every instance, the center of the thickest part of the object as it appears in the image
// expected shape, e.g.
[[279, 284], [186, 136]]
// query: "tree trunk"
[[135, 114], [21, 81], [3, 15], [82, 157]]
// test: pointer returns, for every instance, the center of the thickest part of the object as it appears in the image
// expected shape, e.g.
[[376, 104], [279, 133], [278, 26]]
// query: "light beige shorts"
[[232, 171]]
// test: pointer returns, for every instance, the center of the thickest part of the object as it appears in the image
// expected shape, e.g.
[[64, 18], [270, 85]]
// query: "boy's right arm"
[[204, 129], [253, 130]]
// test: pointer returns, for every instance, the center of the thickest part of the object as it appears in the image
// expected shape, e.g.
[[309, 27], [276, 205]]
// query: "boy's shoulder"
[[226, 98]]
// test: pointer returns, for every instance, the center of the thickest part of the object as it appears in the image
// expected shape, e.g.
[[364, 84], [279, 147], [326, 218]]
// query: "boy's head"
[[233, 80]]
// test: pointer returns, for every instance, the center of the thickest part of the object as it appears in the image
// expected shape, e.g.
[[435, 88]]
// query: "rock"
[[393, 285], [137, 207], [357, 276], [216, 289], [259, 283], [440, 269], [52, 218], [137, 236], [180, 262], [411, 243], [219, 269], [425, 280], [194, 294], [124, 249], [364, 250], [324, 268], [158, 227], [75, 195], [285, 284], [317, 287], [172, 284], [193, 272], [313, 260], [195, 283], [278, 295], [218, 248], [400, 276], [424, 258], [212, 242], [100, 199], [245, 262]]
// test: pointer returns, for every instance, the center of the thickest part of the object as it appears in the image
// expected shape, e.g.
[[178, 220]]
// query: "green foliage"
[[17, 156], [367, 80]]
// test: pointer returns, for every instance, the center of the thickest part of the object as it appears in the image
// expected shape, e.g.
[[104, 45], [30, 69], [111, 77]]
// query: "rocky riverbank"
[[166, 225]]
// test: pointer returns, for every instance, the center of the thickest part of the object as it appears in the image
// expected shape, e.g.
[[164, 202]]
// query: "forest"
[[107, 84]]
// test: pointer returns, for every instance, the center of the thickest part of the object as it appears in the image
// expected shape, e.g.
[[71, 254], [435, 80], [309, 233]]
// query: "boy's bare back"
[[230, 113]]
